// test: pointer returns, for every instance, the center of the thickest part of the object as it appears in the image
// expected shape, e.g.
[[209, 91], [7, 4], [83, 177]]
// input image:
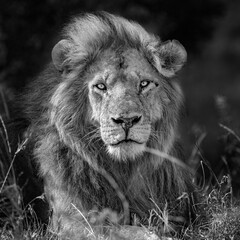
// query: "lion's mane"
[[74, 167]]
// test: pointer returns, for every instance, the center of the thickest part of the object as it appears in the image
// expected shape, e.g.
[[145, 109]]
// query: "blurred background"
[[209, 30]]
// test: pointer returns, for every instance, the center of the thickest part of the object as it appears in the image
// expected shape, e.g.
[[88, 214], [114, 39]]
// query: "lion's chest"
[[131, 189]]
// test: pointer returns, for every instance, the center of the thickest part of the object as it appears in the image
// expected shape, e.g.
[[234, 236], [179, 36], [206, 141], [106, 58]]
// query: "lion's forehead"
[[130, 64], [136, 62]]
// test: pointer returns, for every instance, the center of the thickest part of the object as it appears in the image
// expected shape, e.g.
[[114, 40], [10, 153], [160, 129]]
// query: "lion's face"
[[128, 75], [124, 95]]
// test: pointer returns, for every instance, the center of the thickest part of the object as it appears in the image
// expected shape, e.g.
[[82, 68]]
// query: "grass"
[[220, 207]]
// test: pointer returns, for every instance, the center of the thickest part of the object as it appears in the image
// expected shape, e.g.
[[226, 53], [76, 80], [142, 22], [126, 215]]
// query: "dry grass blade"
[[20, 147], [168, 157], [6, 135], [90, 228], [196, 148], [113, 183], [230, 131], [4, 101], [122, 197]]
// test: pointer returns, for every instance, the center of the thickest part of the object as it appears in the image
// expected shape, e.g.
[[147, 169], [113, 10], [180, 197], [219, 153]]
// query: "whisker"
[[91, 133], [156, 132], [100, 149], [96, 137], [154, 135]]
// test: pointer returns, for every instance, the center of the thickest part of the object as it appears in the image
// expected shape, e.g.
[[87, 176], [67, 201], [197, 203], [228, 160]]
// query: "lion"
[[109, 95]]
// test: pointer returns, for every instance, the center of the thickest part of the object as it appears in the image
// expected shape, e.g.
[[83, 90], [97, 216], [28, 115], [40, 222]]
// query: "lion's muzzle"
[[126, 136], [127, 123]]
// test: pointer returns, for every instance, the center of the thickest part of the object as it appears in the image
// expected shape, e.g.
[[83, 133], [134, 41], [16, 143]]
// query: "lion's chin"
[[126, 150]]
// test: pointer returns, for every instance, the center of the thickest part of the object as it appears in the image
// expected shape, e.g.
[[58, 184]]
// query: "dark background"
[[209, 30]]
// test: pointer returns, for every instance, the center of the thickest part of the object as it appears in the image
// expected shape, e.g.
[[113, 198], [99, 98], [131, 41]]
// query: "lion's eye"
[[144, 83], [101, 86]]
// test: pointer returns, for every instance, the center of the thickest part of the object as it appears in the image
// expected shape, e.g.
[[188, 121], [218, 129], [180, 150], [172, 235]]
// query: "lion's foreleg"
[[68, 219]]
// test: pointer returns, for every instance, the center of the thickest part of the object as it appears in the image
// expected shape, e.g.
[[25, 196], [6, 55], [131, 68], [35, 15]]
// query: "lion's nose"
[[127, 123]]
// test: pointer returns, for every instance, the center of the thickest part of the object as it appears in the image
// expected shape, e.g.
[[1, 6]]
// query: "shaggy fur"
[[73, 160]]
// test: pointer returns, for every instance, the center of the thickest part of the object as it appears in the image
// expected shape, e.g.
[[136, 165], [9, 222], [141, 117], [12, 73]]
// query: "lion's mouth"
[[125, 141]]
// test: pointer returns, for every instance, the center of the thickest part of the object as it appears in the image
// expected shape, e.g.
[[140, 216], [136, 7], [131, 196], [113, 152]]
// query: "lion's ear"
[[171, 56], [59, 54]]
